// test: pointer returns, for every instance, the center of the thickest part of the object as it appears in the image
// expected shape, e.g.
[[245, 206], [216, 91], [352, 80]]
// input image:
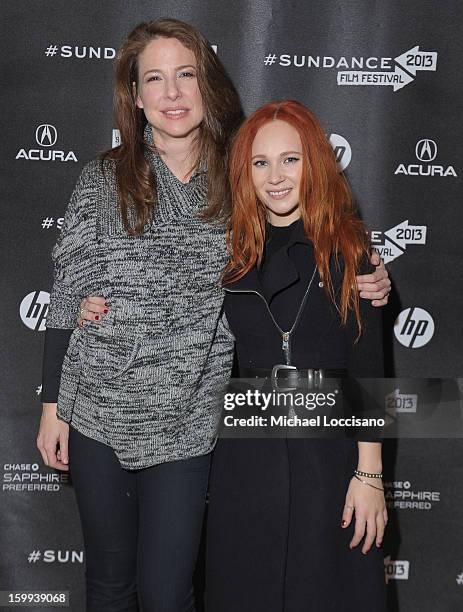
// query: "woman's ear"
[[136, 97]]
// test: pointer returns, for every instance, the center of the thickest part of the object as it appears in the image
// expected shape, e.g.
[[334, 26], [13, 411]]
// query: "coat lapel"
[[281, 272], [249, 282], [280, 269]]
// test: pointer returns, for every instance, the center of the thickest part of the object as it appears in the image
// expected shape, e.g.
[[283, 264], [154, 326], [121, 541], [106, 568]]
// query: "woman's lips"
[[279, 194], [177, 113]]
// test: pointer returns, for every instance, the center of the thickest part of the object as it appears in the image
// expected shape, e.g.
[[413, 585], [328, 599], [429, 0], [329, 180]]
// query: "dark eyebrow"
[[176, 68], [281, 154]]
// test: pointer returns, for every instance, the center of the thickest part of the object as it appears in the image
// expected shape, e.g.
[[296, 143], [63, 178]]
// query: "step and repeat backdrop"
[[385, 79]]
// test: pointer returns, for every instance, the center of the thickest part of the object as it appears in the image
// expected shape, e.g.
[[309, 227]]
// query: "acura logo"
[[46, 135], [426, 150]]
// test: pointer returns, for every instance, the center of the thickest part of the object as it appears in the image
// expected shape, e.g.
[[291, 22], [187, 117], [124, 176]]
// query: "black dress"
[[275, 541]]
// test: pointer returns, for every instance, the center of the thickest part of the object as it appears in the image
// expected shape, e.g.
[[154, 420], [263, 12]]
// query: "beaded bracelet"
[[369, 474]]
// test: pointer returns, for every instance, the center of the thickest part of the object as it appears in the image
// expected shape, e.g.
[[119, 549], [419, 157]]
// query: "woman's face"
[[277, 170], [168, 89]]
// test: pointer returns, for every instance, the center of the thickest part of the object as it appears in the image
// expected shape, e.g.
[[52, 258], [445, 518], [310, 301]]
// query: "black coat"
[[320, 340], [274, 537]]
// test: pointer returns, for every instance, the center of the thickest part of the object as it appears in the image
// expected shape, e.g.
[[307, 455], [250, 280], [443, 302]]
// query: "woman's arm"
[[365, 496], [70, 254], [52, 439], [54, 350], [69, 258], [374, 286]]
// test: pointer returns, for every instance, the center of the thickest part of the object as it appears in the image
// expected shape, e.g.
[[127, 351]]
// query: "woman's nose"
[[172, 90], [275, 175]]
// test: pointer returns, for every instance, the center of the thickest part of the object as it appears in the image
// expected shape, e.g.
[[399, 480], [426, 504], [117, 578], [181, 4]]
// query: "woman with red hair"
[[296, 524]]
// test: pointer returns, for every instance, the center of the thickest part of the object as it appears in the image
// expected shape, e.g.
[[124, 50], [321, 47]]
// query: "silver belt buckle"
[[274, 376], [314, 378]]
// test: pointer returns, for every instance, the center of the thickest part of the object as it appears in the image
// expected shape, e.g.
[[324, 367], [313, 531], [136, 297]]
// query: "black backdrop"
[[385, 79]]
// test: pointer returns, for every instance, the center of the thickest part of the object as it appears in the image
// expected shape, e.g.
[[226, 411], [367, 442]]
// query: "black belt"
[[284, 376]]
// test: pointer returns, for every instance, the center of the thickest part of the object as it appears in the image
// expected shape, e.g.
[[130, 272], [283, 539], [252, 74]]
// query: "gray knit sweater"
[[145, 380]]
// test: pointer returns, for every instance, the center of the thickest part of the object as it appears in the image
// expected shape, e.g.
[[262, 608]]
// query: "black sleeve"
[[55, 347], [365, 359]]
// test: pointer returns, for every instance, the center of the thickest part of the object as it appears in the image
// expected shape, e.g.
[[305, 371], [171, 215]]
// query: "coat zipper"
[[285, 335]]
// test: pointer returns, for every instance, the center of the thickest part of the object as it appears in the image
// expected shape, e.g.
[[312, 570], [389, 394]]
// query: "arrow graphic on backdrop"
[[396, 79], [404, 73], [398, 237], [388, 251], [414, 60], [404, 234]]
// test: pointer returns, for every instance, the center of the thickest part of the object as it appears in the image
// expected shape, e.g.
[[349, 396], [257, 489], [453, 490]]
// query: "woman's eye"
[[291, 160], [154, 77], [260, 163], [187, 74]]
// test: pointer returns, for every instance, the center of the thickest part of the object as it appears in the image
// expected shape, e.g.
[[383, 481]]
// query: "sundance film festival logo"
[[46, 136], [414, 327], [84, 52], [376, 71], [80, 52], [33, 310], [395, 570], [393, 242], [426, 153], [19, 477], [399, 494], [56, 556]]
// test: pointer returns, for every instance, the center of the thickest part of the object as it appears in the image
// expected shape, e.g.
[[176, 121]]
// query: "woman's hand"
[[92, 309], [52, 439], [370, 513], [375, 286]]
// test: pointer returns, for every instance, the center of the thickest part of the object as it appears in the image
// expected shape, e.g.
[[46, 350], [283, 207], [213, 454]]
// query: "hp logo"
[[426, 150], [46, 135], [414, 327], [34, 309]]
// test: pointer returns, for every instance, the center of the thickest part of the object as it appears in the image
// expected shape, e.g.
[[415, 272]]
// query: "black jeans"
[[141, 528]]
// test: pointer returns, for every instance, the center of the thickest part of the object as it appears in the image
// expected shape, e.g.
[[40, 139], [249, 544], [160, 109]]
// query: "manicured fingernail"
[[97, 317], [105, 311]]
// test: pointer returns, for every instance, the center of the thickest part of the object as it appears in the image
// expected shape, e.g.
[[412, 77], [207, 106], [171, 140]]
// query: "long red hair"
[[325, 201]]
